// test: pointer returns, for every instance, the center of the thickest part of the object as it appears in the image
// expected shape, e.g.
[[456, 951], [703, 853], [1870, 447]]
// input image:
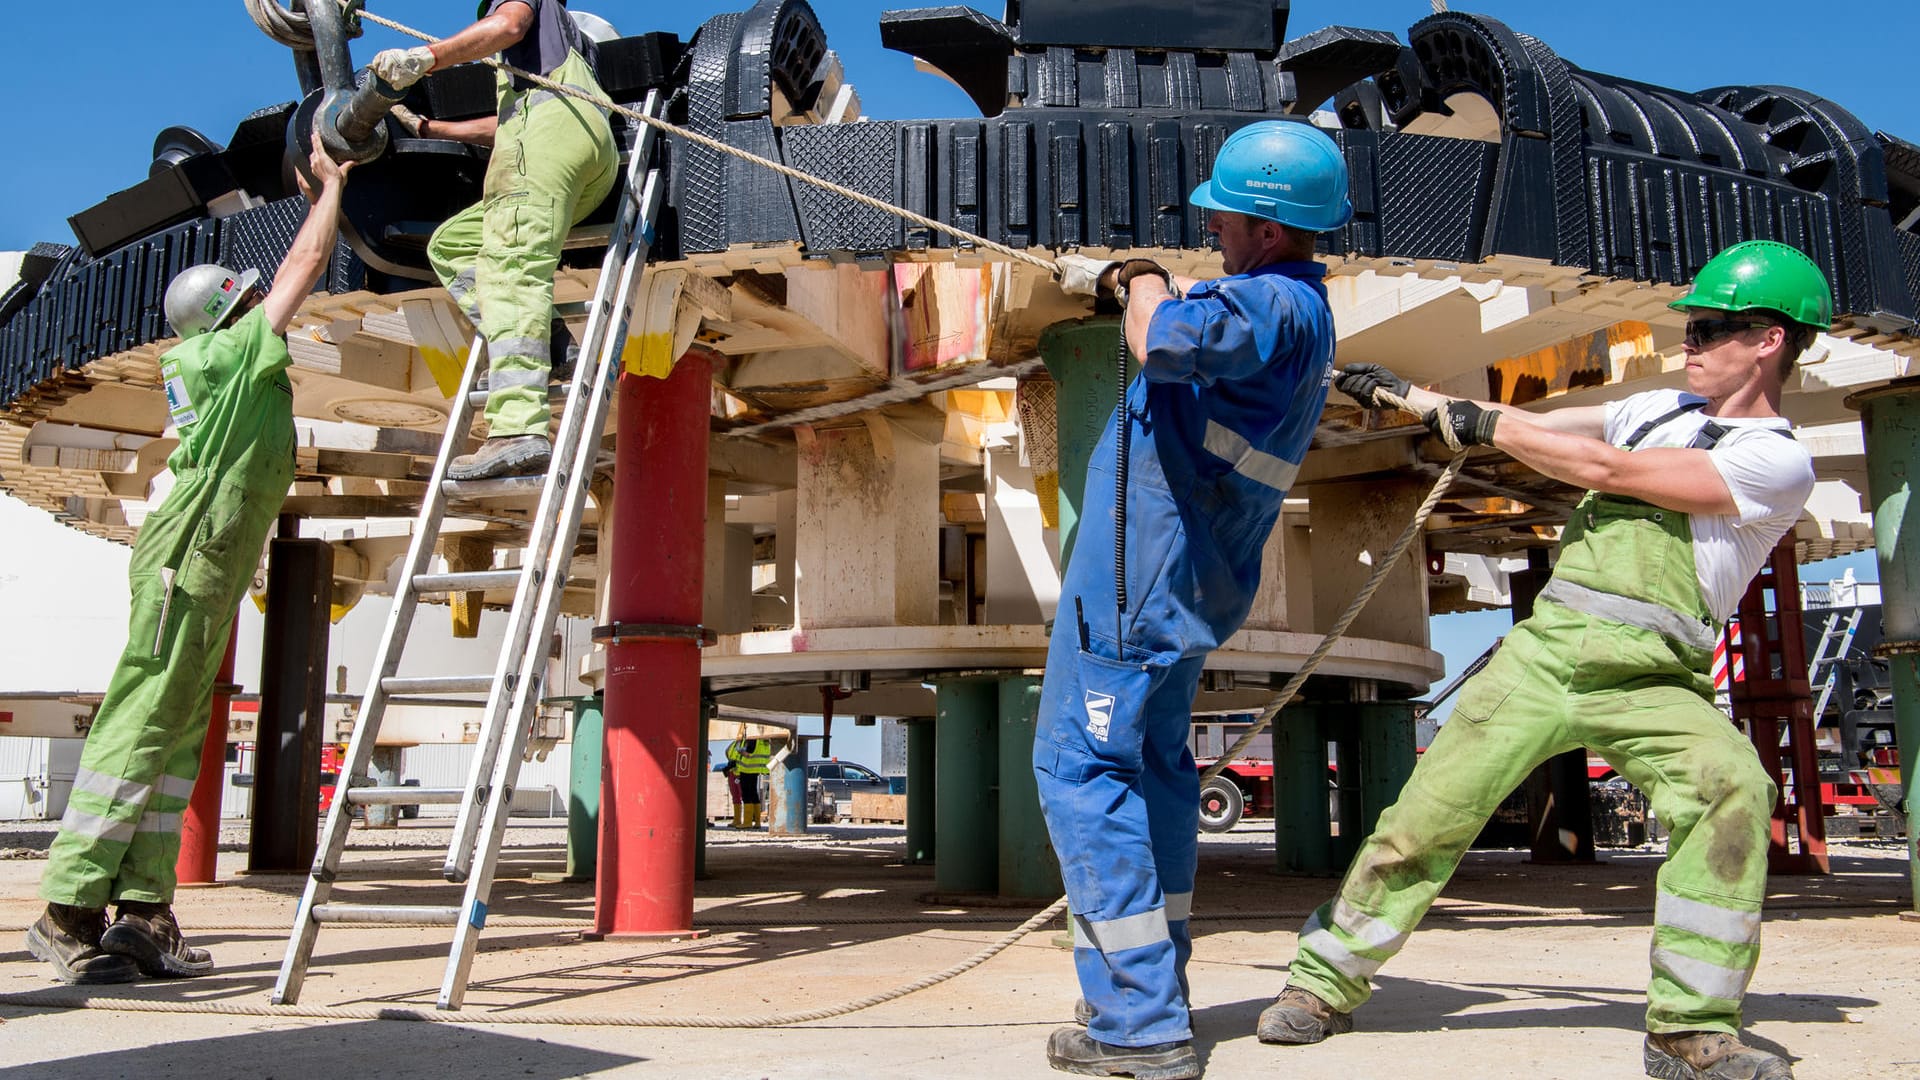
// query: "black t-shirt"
[[548, 41]]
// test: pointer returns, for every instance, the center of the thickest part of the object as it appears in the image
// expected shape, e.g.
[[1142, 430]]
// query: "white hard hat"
[[201, 298]]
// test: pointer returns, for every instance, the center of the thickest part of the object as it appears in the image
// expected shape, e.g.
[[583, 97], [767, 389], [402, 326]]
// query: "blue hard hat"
[[1283, 171]]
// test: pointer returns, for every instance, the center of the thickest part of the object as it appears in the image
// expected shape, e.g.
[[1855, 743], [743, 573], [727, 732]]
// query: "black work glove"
[[1134, 268], [1460, 424], [1360, 381]]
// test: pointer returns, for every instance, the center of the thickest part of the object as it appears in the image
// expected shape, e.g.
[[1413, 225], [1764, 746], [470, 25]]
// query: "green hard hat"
[[1763, 275]]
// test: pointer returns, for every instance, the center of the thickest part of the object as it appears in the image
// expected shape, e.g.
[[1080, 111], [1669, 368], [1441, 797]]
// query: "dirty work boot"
[[150, 935], [1711, 1055], [1082, 1012], [69, 938], [1072, 1050], [1298, 1017], [506, 455]]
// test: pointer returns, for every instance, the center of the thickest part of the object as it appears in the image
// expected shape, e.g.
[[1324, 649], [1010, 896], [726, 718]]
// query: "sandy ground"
[[1521, 971]]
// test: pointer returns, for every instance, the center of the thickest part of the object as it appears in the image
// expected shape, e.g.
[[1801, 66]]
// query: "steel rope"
[[289, 28]]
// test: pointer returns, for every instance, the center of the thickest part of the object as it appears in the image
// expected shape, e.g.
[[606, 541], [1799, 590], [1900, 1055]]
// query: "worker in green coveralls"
[[553, 163], [229, 398], [1688, 491]]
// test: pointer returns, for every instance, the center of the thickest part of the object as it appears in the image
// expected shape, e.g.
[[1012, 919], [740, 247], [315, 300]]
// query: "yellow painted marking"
[[446, 368], [649, 354]]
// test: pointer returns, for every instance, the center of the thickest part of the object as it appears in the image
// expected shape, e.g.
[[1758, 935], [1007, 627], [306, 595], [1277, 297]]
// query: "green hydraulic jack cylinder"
[[920, 792], [583, 790], [703, 777], [1890, 421], [1028, 866], [966, 796], [1302, 818], [1081, 358], [1375, 754]]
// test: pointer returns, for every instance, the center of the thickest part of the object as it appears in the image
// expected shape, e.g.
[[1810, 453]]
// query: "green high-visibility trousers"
[[553, 163], [1565, 679], [120, 837]]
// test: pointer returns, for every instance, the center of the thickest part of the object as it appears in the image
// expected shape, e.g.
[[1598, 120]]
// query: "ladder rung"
[[405, 796], [418, 685], [387, 914], [504, 488], [467, 581]]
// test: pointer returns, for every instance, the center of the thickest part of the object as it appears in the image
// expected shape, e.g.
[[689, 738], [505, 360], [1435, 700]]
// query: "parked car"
[[841, 779]]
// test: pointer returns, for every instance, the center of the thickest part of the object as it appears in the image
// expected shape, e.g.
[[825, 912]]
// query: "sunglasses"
[[1704, 332]]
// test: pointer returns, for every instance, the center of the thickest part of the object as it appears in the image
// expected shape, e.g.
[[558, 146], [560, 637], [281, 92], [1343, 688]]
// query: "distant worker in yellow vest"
[[749, 759], [230, 400], [553, 163]]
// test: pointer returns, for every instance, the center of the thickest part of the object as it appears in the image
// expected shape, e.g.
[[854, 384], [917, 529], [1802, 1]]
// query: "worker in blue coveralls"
[[1233, 376], [229, 399]]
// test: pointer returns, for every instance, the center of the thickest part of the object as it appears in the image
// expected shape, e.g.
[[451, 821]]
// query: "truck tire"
[[1221, 805]]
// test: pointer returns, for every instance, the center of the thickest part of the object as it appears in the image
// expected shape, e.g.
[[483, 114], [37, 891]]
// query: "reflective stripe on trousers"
[[1651, 717]]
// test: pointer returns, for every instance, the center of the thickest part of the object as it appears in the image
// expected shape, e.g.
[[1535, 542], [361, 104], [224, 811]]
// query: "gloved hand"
[[1460, 424], [1134, 268], [1361, 381], [401, 68], [409, 120], [1080, 275]]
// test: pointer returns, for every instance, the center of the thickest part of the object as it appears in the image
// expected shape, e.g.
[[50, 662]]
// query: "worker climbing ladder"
[[1830, 634], [515, 685]]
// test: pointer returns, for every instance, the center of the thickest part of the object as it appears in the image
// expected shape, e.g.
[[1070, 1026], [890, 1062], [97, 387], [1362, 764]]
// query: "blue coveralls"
[[1228, 395]]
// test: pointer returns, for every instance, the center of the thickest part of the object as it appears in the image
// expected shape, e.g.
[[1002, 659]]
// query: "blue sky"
[[93, 83]]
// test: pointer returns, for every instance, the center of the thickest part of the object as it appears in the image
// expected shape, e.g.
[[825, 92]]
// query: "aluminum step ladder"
[[1833, 632], [515, 685]]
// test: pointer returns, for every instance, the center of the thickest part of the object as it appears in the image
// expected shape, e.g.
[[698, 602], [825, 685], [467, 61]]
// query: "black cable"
[[1123, 450]]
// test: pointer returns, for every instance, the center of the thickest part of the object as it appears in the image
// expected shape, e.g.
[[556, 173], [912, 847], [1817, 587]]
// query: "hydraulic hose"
[[1123, 452]]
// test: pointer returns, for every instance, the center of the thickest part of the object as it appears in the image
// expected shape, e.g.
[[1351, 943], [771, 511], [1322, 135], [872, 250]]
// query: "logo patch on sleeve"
[[180, 410], [1099, 714]]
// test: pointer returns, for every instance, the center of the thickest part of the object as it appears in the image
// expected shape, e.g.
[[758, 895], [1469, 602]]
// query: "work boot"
[[1711, 1055], [503, 456], [1082, 1012], [1298, 1017], [1072, 1050], [69, 938], [149, 934], [152, 938]]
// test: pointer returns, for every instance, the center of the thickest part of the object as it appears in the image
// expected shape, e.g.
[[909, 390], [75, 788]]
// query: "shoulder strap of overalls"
[[1647, 428], [1707, 438]]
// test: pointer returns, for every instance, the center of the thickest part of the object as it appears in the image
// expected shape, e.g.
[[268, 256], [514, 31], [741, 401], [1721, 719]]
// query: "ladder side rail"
[[366, 730], [518, 640], [605, 372]]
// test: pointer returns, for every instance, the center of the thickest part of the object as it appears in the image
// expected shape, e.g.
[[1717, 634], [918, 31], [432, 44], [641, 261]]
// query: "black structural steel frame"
[[1092, 132]]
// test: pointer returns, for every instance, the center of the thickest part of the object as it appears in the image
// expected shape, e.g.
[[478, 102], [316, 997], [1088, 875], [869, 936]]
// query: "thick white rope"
[[1381, 568]]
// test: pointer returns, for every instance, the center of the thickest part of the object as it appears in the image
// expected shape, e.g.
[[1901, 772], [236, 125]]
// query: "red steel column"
[[200, 829], [656, 534]]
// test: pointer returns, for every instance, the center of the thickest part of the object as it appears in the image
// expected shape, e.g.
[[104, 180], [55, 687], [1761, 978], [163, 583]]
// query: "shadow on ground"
[[369, 1048]]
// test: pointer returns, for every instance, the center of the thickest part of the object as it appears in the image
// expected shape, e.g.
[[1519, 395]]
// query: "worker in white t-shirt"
[[1688, 492]]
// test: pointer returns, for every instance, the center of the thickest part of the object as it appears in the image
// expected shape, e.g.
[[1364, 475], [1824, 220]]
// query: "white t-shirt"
[[1769, 476]]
